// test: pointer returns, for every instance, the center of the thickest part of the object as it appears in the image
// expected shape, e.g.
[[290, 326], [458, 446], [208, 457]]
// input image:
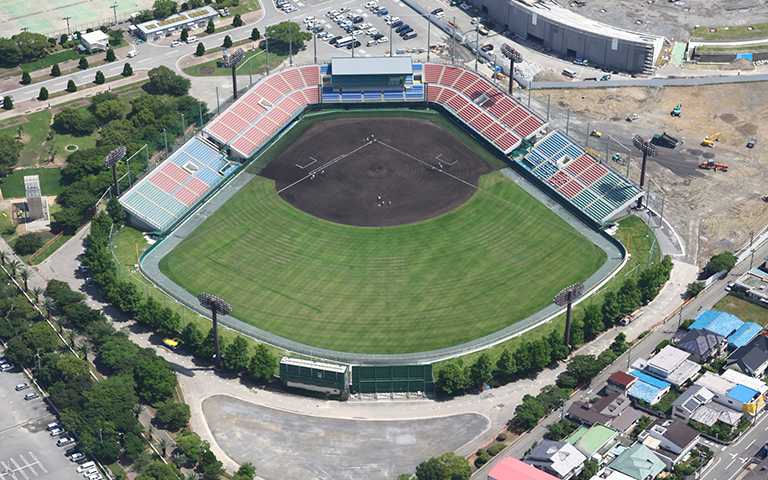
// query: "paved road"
[[731, 459]]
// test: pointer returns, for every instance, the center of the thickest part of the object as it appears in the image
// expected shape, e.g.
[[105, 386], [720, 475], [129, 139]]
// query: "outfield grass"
[[50, 182], [746, 311], [497, 259]]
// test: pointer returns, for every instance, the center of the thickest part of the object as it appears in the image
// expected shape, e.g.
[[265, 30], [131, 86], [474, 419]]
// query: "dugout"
[[392, 379], [374, 73], [318, 376]]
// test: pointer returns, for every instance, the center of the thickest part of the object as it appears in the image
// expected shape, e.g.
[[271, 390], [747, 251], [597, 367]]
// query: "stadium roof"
[[300, 362], [511, 468], [744, 334], [743, 394], [718, 322], [372, 66]]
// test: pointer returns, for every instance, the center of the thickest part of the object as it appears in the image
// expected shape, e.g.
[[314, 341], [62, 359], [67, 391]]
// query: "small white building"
[[96, 41], [169, 26]]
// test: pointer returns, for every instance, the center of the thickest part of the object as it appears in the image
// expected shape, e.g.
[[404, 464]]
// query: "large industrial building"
[[568, 33]]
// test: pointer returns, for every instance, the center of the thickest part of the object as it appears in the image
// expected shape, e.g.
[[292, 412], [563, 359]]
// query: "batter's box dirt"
[[377, 173]]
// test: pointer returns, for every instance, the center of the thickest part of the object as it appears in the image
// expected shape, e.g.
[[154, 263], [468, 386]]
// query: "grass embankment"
[[257, 58], [497, 259], [746, 311], [761, 47], [730, 33], [50, 182], [35, 132]]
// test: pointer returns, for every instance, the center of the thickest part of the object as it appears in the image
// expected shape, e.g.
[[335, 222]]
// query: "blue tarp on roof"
[[644, 377], [744, 335], [644, 391], [718, 322], [742, 393]]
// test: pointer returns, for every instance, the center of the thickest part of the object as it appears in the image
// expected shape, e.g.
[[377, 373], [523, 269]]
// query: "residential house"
[[648, 388], [620, 382], [511, 468], [731, 394], [96, 41], [753, 284], [560, 459], [638, 462], [684, 405], [760, 472], [702, 345], [612, 411], [593, 442], [717, 322], [750, 359], [671, 365], [671, 440]]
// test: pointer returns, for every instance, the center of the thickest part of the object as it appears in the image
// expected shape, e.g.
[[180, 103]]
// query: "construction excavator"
[[710, 140], [678, 111], [711, 165]]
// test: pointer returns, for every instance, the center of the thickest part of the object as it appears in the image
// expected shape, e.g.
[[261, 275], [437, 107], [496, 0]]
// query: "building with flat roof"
[[732, 395], [168, 26], [511, 468], [34, 196], [670, 365], [703, 345], [638, 462], [746, 380], [754, 284], [593, 442], [363, 73], [560, 459], [96, 41]]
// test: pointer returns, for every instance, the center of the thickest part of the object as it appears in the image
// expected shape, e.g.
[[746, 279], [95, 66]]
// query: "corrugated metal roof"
[[745, 334], [372, 66], [718, 322]]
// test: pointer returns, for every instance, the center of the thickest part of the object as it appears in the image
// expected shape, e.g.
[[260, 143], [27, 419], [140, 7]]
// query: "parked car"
[[89, 281], [32, 395], [291, 10], [53, 425], [22, 386], [71, 451], [65, 441], [318, 29], [6, 367], [330, 13], [132, 53], [382, 12], [175, 43], [76, 456], [487, 48], [354, 44], [382, 39], [343, 9], [370, 4], [464, 6], [311, 18], [55, 432]]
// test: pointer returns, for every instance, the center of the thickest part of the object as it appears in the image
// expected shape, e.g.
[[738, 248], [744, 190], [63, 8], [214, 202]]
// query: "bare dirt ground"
[[711, 211]]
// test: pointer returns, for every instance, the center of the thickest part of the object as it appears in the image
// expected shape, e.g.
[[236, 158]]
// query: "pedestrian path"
[[678, 54]]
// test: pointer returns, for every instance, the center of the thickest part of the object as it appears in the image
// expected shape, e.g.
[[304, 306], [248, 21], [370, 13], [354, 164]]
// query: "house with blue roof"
[[737, 332], [648, 388]]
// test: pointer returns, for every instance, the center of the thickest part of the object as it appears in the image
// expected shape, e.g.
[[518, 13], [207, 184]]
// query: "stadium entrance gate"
[[392, 379]]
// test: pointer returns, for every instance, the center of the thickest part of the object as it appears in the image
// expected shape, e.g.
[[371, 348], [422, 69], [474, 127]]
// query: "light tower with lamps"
[[231, 62], [111, 161], [648, 151], [215, 305], [566, 297]]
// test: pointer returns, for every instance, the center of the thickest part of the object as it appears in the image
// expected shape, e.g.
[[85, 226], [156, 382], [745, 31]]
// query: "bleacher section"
[[265, 109], [568, 169], [471, 86], [166, 193]]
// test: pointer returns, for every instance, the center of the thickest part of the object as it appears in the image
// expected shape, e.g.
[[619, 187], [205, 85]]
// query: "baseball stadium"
[[375, 211]]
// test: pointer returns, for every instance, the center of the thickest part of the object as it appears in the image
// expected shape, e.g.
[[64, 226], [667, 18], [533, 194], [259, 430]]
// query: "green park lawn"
[[257, 58], [493, 261], [746, 311]]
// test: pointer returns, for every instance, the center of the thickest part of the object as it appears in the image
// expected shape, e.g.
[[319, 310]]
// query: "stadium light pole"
[[215, 305], [648, 150], [453, 37], [290, 41], [67, 19], [314, 36], [111, 161], [266, 44], [231, 62], [514, 57], [566, 297], [429, 33], [390, 39]]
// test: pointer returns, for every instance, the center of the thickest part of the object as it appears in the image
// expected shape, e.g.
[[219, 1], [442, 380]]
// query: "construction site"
[[707, 178]]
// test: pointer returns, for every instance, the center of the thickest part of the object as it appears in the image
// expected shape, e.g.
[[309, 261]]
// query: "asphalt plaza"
[[288, 445]]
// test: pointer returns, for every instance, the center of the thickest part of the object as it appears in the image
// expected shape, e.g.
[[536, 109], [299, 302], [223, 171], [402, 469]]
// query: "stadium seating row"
[[518, 118]]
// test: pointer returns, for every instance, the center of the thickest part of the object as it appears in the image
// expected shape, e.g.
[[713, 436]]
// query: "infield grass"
[[495, 260]]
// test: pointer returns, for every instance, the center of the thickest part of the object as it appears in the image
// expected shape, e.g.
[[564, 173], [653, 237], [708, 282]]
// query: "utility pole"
[[67, 19], [114, 9]]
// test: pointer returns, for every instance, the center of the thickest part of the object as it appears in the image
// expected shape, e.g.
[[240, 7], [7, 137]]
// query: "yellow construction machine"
[[710, 140]]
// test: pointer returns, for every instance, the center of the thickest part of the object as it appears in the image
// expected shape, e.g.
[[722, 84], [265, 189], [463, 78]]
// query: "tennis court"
[[48, 16]]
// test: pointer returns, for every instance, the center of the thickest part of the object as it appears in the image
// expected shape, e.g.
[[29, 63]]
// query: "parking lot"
[[27, 450]]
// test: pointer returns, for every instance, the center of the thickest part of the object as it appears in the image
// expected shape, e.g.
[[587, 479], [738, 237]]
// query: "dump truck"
[[678, 111], [664, 140], [633, 117], [710, 140], [712, 165]]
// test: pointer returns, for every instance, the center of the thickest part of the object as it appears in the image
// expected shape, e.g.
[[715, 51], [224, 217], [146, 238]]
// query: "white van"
[[85, 466], [569, 73], [191, 39], [91, 471]]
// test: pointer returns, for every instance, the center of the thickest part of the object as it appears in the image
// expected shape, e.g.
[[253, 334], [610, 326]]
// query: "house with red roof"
[[511, 468]]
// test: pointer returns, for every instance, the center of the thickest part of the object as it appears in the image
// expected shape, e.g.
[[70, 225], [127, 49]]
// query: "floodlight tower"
[[514, 57], [215, 305], [231, 62], [566, 297], [648, 150], [111, 161]]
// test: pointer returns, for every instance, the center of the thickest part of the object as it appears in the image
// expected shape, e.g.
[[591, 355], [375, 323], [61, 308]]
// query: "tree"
[[137, 410], [522, 359], [76, 122], [227, 42], [155, 379], [49, 304], [192, 337], [10, 148], [158, 471], [111, 55], [452, 378], [55, 70], [610, 309], [255, 34], [210, 28], [593, 322], [36, 292], [629, 297], [558, 350], [541, 354], [184, 34], [584, 367], [26, 79], [133, 446], [110, 110], [720, 262], [589, 471], [279, 36], [100, 79], [695, 288], [262, 364], [162, 80], [246, 472], [83, 63], [192, 446], [447, 466], [25, 275], [10, 53], [83, 349], [529, 412], [237, 21], [506, 363], [43, 95], [163, 445], [71, 87], [7, 103], [127, 70], [200, 50], [481, 372], [163, 8], [174, 415], [212, 467], [28, 244], [31, 45], [207, 349], [235, 357], [619, 344], [116, 212]]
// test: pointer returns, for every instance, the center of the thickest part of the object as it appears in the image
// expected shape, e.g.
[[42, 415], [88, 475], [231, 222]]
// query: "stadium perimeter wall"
[[150, 259]]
